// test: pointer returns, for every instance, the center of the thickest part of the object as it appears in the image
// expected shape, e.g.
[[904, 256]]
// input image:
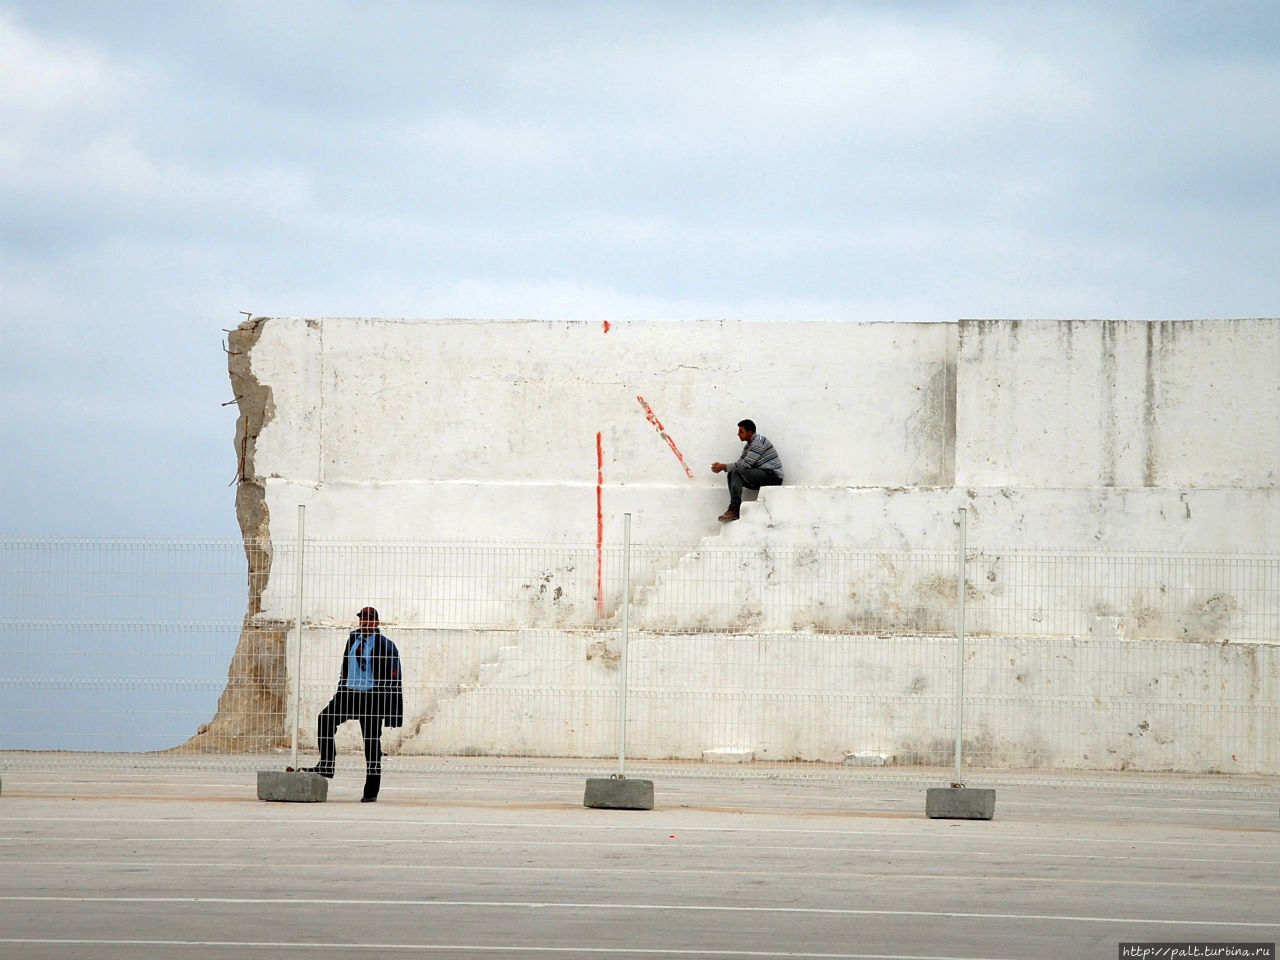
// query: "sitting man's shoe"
[[729, 515], [327, 774]]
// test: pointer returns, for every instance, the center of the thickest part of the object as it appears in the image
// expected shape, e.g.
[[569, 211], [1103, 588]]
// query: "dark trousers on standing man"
[[350, 705]]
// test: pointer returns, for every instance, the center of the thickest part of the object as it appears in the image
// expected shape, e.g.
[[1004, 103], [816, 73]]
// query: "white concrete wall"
[[1087, 403], [452, 429], [1061, 703], [458, 429], [779, 583], [1078, 436]]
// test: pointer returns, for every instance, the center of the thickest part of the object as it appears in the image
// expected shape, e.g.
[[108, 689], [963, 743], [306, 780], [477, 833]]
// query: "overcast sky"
[[166, 165]]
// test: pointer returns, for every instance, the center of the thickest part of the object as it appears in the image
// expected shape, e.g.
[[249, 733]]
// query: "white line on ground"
[[476, 948], [503, 868], [642, 844], [670, 907], [655, 826]]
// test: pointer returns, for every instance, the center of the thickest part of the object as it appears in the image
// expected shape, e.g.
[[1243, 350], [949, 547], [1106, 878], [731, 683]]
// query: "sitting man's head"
[[746, 430]]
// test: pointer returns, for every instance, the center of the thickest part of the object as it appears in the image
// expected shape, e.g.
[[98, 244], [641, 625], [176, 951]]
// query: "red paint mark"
[[599, 526], [606, 326], [649, 415]]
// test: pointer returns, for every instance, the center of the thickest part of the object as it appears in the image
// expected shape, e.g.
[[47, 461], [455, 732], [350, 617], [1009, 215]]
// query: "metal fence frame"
[[145, 597]]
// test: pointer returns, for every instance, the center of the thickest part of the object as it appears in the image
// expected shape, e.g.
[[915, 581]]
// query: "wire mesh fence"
[[114, 645], [792, 660]]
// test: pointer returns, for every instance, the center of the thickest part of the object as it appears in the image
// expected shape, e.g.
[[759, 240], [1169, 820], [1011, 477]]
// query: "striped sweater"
[[759, 453]]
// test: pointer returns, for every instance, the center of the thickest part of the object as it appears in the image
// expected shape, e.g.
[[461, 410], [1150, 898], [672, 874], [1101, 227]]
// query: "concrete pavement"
[[133, 865]]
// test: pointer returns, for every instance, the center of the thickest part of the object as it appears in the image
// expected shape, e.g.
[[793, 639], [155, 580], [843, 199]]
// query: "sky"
[[167, 168]]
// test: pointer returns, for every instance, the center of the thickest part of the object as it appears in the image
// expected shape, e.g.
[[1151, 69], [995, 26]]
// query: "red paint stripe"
[[599, 527], [606, 326], [652, 418]]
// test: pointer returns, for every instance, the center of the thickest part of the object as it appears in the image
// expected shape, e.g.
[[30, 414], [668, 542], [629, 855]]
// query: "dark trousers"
[[349, 705], [750, 478]]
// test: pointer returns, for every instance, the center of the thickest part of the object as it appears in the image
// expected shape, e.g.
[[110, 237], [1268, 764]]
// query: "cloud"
[[858, 75], [60, 107], [163, 166], [44, 82]]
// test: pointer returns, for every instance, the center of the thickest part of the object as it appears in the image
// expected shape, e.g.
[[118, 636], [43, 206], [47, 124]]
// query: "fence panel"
[[1123, 661], [114, 645], [784, 660]]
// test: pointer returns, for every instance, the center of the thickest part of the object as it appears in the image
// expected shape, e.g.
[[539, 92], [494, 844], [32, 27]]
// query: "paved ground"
[[190, 864]]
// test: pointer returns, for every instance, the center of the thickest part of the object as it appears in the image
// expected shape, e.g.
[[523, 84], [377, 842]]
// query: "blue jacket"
[[388, 691]]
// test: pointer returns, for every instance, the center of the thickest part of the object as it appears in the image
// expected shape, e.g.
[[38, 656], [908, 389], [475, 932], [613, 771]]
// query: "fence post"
[[622, 678], [617, 792], [294, 785], [297, 655], [960, 591], [957, 801]]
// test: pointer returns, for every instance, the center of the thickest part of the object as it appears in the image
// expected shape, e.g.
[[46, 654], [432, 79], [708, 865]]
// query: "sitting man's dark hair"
[[748, 425]]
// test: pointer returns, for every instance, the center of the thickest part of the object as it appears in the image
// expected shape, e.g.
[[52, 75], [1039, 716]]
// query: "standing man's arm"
[[346, 656], [390, 683], [388, 664]]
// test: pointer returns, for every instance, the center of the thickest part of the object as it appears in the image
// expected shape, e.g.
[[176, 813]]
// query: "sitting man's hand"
[[719, 467]]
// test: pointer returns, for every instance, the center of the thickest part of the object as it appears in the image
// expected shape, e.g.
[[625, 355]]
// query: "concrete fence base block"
[[292, 786], [960, 803], [612, 793]]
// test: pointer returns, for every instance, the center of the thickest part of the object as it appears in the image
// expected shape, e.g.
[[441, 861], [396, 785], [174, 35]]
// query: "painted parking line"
[[683, 846], [655, 907], [562, 951], [971, 834], [505, 868]]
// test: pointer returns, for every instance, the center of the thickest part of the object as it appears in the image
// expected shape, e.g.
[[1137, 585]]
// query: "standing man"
[[759, 466], [370, 691]]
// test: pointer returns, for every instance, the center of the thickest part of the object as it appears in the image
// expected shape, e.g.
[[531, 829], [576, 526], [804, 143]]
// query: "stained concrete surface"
[[176, 864]]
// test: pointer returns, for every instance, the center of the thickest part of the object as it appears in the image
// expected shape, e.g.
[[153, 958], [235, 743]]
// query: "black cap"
[[368, 613]]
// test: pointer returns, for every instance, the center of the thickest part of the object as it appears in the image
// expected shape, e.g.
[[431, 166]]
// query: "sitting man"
[[759, 466]]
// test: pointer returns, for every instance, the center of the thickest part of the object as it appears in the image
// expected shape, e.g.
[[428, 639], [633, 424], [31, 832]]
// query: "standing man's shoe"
[[729, 515], [372, 782], [326, 772]]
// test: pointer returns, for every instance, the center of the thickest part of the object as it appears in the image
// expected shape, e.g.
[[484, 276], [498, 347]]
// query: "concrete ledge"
[[618, 794], [728, 755], [292, 786], [867, 758], [960, 803]]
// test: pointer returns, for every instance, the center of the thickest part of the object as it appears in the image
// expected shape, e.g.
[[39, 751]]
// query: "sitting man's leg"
[[746, 478]]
